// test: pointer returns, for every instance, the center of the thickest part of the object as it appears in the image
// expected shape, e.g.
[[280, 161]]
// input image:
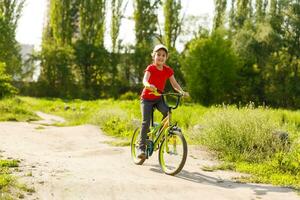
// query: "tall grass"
[[252, 139], [118, 118], [15, 109], [241, 134]]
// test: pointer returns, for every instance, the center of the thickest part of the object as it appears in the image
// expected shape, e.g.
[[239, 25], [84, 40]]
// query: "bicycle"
[[166, 137]]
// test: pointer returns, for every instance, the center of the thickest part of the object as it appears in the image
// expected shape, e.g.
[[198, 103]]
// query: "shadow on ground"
[[228, 184]]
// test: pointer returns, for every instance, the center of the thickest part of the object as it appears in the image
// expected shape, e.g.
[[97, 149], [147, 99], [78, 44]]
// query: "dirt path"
[[75, 163]]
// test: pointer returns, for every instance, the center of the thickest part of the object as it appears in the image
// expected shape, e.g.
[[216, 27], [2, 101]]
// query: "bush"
[[129, 96], [114, 121], [210, 68], [14, 109], [6, 89]]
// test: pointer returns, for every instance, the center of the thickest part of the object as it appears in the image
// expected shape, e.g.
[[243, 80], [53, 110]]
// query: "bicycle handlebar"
[[178, 95]]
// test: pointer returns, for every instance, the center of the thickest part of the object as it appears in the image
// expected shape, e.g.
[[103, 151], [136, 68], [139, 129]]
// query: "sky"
[[31, 23]]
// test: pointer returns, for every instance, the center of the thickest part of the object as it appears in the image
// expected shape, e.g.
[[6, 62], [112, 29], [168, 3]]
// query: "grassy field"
[[261, 141]]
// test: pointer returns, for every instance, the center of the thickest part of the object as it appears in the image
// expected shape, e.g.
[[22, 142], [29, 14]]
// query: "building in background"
[[29, 66]]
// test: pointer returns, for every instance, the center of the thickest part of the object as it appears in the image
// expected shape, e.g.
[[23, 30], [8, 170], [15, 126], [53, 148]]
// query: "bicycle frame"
[[162, 130]]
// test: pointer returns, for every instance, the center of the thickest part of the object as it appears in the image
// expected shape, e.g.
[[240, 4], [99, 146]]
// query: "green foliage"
[[6, 89], [244, 134], [116, 17], [57, 74], [247, 138], [220, 8], [10, 188], [172, 23], [129, 96], [282, 81], [92, 62], [210, 68], [265, 42], [251, 44], [255, 58], [10, 11], [114, 121], [118, 118], [73, 58], [16, 110], [9, 163], [63, 20], [145, 30], [266, 172], [174, 61], [92, 21], [243, 12], [289, 162], [5, 181]]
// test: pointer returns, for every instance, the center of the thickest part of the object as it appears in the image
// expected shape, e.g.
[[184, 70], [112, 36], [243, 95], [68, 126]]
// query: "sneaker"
[[141, 154]]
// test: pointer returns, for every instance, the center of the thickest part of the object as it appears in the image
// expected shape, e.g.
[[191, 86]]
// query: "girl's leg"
[[162, 107], [146, 109]]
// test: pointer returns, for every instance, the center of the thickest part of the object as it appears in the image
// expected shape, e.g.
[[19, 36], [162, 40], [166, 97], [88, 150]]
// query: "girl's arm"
[[176, 86], [146, 83]]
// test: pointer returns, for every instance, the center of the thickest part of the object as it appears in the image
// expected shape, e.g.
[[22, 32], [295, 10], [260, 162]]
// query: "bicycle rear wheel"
[[134, 147], [172, 153]]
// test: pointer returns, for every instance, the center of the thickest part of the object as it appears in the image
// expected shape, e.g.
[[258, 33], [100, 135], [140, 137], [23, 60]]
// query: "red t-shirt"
[[157, 78]]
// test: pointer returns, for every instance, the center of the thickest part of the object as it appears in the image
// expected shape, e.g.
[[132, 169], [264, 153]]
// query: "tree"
[[91, 56], [173, 22], [6, 89], [93, 64], [172, 29], [232, 20], [116, 17], [57, 74], [57, 55], [210, 69], [10, 11], [243, 12], [63, 20], [92, 21], [145, 30], [220, 8], [286, 67]]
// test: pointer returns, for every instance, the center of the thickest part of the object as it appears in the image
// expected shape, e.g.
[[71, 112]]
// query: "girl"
[[154, 80]]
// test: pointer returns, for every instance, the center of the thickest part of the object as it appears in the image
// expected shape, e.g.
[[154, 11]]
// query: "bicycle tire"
[[133, 146], [165, 157]]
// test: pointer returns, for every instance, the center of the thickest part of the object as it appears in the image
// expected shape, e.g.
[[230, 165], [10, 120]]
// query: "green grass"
[[9, 163], [10, 188], [266, 172], [246, 138], [15, 109]]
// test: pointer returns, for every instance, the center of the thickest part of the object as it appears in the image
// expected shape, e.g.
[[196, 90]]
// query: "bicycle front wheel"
[[173, 153]]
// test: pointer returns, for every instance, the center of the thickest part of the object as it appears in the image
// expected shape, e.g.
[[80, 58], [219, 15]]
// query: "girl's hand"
[[151, 87], [185, 94]]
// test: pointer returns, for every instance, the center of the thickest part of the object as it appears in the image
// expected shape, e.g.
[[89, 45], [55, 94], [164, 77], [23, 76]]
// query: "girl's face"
[[160, 57]]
